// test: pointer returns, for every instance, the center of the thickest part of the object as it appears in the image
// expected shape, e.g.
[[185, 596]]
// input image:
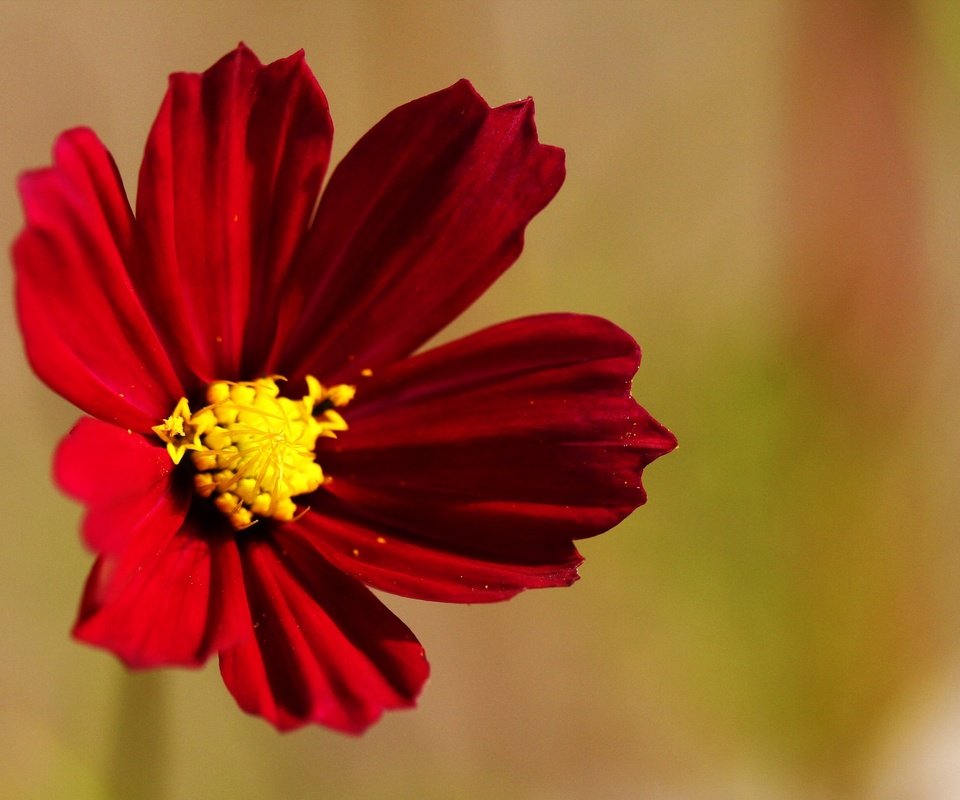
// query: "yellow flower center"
[[253, 451]]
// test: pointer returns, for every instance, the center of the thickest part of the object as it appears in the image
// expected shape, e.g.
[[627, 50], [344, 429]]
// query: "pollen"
[[179, 431], [253, 450]]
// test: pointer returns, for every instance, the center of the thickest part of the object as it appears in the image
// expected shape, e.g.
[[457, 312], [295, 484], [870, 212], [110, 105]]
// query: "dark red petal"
[[499, 449], [124, 479], [397, 560], [326, 650], [420, 217], [86, 333], [170, 598], [229, 179]]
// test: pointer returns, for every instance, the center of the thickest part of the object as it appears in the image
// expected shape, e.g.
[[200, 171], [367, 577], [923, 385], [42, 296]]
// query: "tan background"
[[766, 194]]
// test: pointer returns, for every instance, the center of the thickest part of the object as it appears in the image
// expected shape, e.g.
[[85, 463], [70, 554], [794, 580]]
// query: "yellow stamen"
[[180, 431], [252, 449]]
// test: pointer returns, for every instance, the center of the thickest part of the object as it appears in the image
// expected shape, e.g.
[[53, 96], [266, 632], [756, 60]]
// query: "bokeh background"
[[767, 195]]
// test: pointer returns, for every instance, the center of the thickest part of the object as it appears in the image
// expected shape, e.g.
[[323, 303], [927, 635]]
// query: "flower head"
[[264, 442]]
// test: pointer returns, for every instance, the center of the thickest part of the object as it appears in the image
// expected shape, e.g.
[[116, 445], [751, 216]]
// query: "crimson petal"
[[495, 451], [124, 479], [170, 598], [229, 179], [326, 650], [420, 217], [74, 293], [398, 561]]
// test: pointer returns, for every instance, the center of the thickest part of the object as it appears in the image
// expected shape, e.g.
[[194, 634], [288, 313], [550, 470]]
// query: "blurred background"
[[767, 195]]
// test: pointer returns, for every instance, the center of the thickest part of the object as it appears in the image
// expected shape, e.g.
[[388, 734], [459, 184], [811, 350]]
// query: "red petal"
[[422, 215], [326, 650], [229, 179], [498, 449], [124, 479], [397, 560], [169, 598], [86, 333]]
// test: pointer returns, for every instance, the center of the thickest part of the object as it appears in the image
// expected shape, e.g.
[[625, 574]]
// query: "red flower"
[[462, 474]]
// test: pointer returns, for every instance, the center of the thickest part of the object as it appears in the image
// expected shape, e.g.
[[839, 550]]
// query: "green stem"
[[140, 746]]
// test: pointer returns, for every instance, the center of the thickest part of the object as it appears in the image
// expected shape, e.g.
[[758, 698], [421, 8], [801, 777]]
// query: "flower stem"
[[140, 747]]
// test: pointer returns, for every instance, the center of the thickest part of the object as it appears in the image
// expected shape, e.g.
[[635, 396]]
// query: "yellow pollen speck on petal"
[[253, 450]]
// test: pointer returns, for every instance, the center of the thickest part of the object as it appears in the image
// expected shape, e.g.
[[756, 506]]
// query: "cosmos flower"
[[264, 442]]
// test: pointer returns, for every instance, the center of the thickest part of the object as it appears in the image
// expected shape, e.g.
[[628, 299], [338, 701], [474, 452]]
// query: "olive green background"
[[767, 195]]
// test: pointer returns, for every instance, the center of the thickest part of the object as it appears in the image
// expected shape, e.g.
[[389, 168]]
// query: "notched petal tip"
[[71, 147], [174, 597], [465, 88], [74, 291], [668, 441], [440, 180], [241, 52], [524, 108], [228, 183], [240, 56], [325, 650], [550, 160]]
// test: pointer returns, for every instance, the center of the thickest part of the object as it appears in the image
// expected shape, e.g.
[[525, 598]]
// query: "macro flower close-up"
[[267, 440]]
